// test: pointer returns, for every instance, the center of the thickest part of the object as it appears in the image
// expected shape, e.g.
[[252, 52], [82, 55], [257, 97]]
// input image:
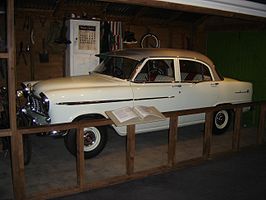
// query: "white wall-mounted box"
[[85, 44]]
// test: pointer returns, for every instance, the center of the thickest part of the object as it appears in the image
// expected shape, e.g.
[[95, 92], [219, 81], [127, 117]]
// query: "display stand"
[[135, 115]]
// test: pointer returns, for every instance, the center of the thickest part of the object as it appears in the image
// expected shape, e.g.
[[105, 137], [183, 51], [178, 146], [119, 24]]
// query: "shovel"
[[44, 55]]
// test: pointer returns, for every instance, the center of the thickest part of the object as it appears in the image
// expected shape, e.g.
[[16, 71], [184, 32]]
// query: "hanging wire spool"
[[149, 40]]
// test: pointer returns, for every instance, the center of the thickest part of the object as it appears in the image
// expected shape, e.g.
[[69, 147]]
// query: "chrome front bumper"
[[33, 117], [37, 119]]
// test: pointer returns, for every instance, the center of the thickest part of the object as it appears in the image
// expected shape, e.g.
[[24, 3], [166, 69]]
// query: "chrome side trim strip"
[[92, 102], [153, 98], [110, 101], [242, 92]]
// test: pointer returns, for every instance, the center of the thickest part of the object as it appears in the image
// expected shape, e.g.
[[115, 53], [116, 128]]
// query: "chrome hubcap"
[[89, 138], [221, 119], [92, 138]]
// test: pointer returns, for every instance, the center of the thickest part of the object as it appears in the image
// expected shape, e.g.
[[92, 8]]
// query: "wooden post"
[[172, 140], [237, 127], [17, 158], [261, 127], [16, 138], [80, 162], [131, 145], [207, 135]]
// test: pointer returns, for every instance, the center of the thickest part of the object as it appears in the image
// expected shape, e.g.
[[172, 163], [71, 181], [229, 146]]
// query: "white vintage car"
[[168, 79]]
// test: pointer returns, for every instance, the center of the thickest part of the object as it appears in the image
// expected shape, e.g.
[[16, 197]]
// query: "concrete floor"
[[52, 166], [240, 176]]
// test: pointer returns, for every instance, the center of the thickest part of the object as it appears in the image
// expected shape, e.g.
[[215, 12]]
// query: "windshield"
[[118, 67]]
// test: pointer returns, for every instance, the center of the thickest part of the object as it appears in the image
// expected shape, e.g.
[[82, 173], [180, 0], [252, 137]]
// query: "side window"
[[157, 70], [192, 71]]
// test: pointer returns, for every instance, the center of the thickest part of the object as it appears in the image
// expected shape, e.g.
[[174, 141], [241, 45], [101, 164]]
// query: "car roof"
[[142, 53]]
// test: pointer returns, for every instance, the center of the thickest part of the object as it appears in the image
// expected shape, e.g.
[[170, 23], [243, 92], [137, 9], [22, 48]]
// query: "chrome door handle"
[[214, 84], [177, 86]]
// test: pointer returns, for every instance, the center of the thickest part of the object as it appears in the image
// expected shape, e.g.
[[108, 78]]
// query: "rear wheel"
[[221, 121], [95, 139]]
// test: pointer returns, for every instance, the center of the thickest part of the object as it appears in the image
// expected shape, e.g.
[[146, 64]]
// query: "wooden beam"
[[5, 132], [207, 137], [261, 128], [65, 126], [130, 151], [17, 158], [80, 162], [172, 140], [11, 65], [3, 55], [16, 138], [237, 127]]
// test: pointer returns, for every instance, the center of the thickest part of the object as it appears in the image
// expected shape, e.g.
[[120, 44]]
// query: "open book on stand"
[[135, 115]]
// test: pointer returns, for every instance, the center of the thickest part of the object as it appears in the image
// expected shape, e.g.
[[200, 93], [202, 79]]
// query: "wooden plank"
[[237, 127], [172, 140], [65, 126], [80, 162], [17, 159], [130, 151], [16, 138], [207, 137], [261, 127], [5, 133], [3, 55]]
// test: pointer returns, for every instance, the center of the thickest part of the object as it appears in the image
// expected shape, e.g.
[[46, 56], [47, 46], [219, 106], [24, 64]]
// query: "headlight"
[[45, 102], [20, 93], [26, 89]]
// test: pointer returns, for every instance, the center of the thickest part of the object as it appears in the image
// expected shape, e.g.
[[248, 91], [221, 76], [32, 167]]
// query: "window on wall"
[[157, 70], [193, 71]]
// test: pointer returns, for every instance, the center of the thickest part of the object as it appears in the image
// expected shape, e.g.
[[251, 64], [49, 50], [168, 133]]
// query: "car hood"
[[77, 82]]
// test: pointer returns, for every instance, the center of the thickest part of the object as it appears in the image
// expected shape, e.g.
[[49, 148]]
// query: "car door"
[[197, 88], [155, 85]]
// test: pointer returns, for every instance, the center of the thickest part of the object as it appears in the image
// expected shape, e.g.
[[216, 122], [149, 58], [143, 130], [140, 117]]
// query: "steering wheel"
[[154, 72]]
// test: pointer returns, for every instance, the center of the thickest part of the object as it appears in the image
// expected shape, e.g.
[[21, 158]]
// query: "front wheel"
[[95, 139], [221, 121]]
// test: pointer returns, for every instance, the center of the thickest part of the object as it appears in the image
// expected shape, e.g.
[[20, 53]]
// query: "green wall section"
[[241, 55]]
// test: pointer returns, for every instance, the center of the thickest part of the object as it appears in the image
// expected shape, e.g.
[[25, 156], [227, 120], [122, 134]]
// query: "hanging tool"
[[44, 55], [22, 53]]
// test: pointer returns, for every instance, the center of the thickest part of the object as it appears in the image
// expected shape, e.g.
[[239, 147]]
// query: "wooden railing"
[[130, 174]]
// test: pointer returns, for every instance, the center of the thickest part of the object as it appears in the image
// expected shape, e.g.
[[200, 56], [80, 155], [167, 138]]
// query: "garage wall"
[[241, 55], [169, 36], [31, 68], [45, 27]]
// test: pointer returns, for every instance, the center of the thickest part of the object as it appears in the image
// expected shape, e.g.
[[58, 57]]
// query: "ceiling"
[[111, 10]]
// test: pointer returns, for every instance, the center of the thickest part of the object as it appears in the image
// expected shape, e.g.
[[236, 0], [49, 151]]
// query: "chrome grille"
[[36, 105]]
